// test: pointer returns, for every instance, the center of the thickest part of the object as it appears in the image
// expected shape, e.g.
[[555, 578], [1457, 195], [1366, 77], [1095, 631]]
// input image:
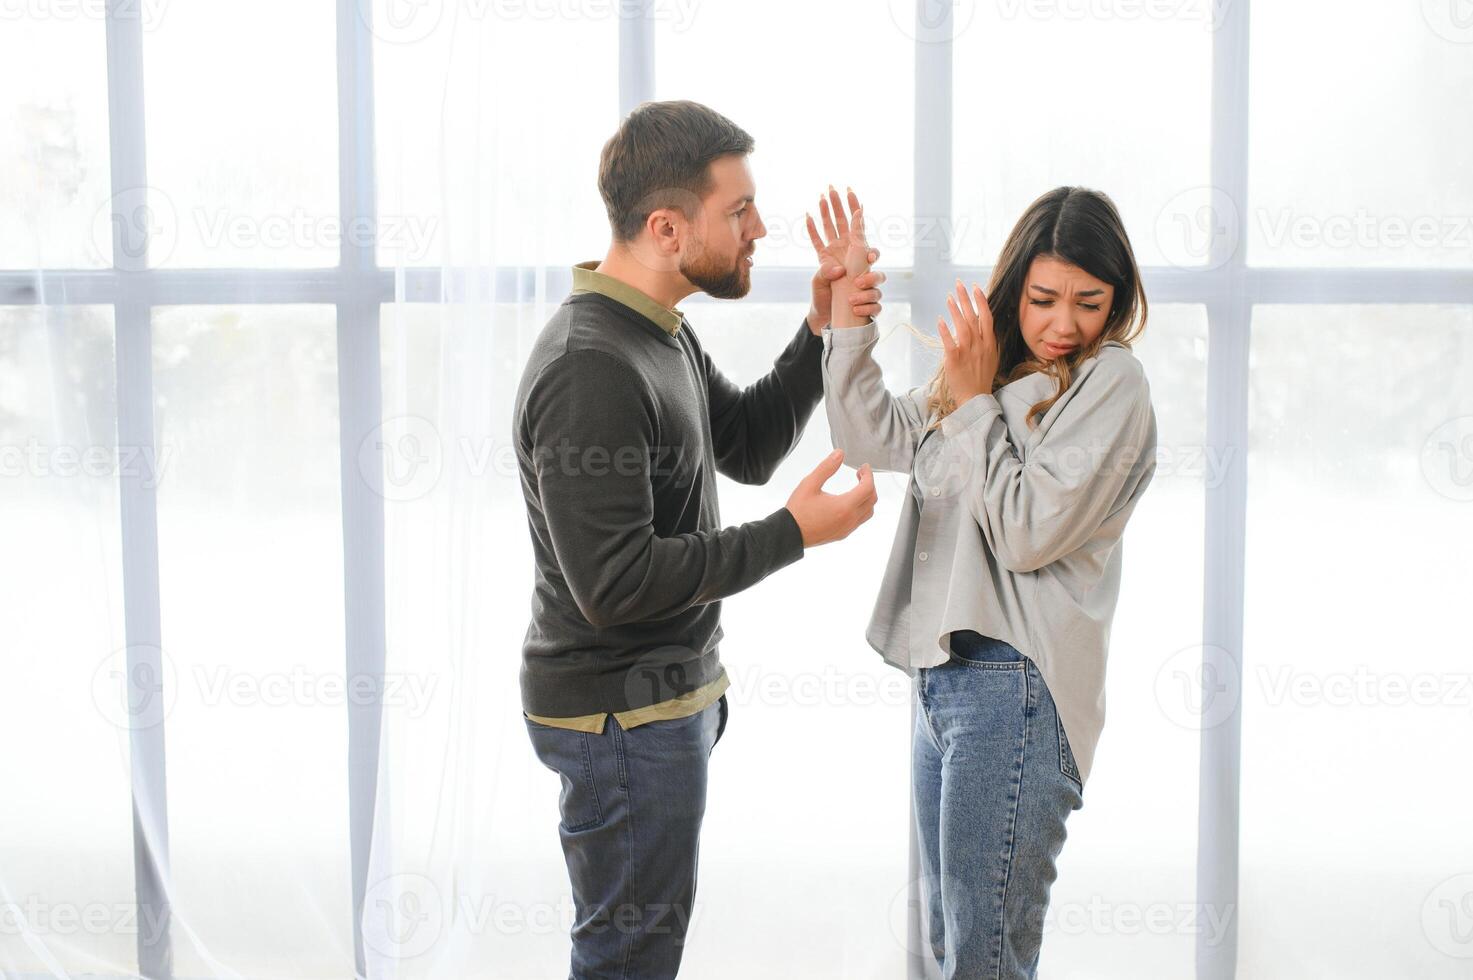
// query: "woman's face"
[[1062, 309]]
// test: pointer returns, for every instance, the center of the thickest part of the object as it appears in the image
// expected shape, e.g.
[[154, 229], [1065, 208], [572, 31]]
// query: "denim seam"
[[586, 756], [629, 837], [926, 714], [724, 713], [618, 734], [993, 664], [1002, 930], [1067, 765]]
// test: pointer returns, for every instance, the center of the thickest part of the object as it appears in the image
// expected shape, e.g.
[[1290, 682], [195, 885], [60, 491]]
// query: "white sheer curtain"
[[465, 873]]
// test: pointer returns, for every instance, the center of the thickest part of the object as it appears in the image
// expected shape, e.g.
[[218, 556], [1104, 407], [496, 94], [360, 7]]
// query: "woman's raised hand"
[[844, 258], [971, 354]]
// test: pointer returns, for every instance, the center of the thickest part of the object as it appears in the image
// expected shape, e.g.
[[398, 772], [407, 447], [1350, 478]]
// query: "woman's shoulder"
[[1116, 360], [1115, 350]]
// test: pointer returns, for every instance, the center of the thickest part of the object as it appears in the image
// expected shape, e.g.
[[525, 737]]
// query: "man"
[[622, 424]]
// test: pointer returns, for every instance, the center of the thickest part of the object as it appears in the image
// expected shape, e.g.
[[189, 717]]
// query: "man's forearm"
[[617, 576], [817, 319]]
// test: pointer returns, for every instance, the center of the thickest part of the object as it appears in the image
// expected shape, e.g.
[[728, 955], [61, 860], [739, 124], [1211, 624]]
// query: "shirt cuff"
[[850, 337], [789, 537], [806, 331], [973, 410]]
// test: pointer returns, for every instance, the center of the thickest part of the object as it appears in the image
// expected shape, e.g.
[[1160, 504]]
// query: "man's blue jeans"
[[993, 781], [631, 805]]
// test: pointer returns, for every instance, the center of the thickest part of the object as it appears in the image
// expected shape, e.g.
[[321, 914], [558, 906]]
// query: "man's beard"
[[717, 280]]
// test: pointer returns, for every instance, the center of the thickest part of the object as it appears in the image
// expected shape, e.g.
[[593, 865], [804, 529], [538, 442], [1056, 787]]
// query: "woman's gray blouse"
[[1020, 535]]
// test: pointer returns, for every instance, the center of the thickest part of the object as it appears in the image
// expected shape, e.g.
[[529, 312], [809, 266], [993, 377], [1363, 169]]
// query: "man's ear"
[[667, 229]]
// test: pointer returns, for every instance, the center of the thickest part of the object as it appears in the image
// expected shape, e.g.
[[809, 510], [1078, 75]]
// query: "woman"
[[1028, 451]]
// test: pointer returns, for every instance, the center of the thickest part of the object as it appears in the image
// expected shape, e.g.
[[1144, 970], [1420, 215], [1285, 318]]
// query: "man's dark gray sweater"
[[621, 428]]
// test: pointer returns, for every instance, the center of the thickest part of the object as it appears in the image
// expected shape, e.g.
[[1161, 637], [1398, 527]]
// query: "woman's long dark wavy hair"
[[1083, 228]]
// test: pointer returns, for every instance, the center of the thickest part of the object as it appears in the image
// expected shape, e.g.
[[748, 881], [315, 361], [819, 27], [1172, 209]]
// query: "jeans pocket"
[[974, 650], [721, 728], [570, 754], [1066, 756]]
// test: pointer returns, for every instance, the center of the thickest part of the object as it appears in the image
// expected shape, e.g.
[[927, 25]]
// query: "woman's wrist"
[[843, 314]]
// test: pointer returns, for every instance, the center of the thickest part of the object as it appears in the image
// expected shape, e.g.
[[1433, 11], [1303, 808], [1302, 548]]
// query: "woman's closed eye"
[[1046, 303]]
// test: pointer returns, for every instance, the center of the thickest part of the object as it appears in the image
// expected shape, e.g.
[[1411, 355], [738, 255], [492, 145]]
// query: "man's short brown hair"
[[661, 158]]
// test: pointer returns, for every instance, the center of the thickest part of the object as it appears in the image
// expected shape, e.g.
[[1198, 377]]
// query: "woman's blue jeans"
[[993, 781]]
